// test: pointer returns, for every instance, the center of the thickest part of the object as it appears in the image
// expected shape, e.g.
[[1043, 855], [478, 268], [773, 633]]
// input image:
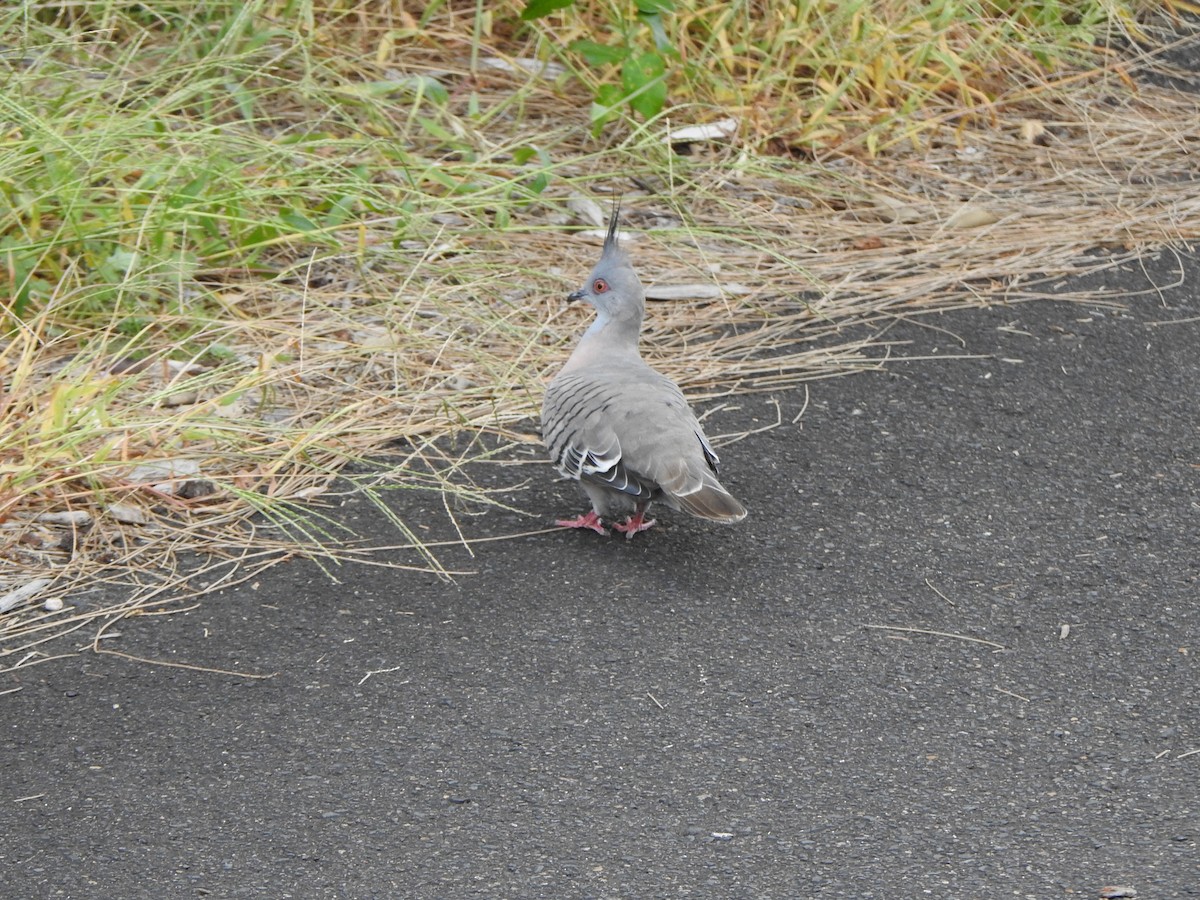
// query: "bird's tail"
[[711, 501]]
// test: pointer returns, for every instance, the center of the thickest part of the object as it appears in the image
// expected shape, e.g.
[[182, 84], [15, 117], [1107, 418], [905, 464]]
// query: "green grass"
[[814, 74], [271, 238], [150, 151]]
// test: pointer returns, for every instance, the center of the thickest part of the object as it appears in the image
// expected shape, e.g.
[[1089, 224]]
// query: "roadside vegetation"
[[253, 252]]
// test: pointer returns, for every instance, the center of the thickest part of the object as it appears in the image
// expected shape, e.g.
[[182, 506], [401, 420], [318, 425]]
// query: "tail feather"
[[711, 502]]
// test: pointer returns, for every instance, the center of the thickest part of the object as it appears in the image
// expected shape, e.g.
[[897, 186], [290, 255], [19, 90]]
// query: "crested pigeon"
[[621, 429]]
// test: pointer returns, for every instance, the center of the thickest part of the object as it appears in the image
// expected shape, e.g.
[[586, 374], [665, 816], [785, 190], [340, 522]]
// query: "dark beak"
[[575, 296]]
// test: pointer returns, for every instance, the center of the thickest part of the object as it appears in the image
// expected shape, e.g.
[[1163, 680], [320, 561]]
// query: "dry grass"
[[142, 466]]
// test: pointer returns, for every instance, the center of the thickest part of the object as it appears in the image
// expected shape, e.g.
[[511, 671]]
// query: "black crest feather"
[[614, 225]]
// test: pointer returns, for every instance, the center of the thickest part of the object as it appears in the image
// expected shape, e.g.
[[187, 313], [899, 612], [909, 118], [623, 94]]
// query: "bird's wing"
[[578, 418], [634, 432]]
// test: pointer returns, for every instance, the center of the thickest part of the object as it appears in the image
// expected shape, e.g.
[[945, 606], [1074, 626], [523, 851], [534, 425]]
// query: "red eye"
[[599, 286]]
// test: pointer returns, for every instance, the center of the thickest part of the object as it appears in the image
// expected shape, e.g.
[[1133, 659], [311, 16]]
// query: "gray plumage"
[[621, 429]]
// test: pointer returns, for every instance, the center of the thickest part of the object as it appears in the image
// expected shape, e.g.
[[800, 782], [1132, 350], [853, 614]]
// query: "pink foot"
[[635, 523], [590, 520]]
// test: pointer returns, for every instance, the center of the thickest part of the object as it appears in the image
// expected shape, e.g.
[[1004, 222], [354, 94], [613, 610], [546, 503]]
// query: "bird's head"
[[613, 287]]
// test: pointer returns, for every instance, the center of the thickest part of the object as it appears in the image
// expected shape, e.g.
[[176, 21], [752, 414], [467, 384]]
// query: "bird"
[[621, 429]]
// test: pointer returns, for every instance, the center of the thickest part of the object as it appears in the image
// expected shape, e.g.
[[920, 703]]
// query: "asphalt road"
[[953, 652]]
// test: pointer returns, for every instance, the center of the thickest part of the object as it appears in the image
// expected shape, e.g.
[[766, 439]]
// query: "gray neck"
[[616, 334]]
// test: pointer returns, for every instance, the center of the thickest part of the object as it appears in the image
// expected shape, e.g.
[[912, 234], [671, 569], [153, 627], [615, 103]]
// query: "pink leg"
[[589, 520], [635, 523]]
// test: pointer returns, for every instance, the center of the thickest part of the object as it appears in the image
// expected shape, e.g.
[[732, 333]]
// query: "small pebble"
[[73, 517], [54, 604], [127, 513]]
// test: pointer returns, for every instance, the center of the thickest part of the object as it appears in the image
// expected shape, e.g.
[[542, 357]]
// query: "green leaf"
[[257, 236], [413, 85], [340, 210], [598, 54], [20, 265], [297, 221], [662, 43], [242, 97], [650, 7], [536, 9], [190, 192], [522, 155], [433, 129], [604, 107], [222, 353], [122, 260], [642, 79]]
